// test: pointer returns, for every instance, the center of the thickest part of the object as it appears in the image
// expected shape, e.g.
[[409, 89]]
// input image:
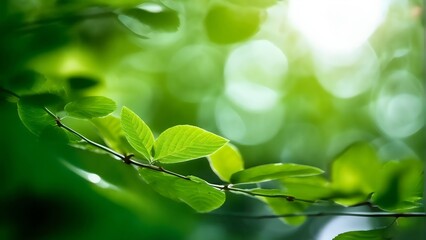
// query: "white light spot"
[[254, 73], [347, 74], [343, 224], [336, 25], [247, 127], [151, 7], [94, 178], [399, 108]]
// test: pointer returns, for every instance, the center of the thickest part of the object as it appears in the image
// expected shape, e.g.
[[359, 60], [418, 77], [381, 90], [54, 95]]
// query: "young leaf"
[[137, 132], [90, 107], [226, 161], [274, 171], [195, 192], [375, 234], [183, 143]]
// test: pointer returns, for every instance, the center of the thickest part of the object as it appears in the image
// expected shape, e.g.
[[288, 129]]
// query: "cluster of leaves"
[[357, 176]]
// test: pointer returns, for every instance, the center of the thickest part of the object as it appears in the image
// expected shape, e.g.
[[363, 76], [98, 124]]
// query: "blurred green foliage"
[[283, 98]]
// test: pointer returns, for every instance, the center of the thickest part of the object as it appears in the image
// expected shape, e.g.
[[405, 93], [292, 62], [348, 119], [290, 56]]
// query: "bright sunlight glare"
[[336, 25]]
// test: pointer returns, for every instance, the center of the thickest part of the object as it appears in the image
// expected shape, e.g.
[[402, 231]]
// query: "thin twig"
[[325, 214]]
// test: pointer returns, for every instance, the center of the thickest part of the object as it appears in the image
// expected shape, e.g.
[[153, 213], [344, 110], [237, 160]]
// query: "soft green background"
[[246, 70]]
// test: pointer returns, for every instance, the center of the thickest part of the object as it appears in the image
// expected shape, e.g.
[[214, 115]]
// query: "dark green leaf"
[[195, 192], [226, 161], [400, 185], [90, 107], [137, 132], [82, 82], [375, 234], [183, 143], [274, 171], [32, 113]]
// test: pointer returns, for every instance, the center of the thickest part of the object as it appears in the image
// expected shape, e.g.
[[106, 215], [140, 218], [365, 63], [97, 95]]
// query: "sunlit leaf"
[[195, 192], [137, 132], [375, 234], [149, 18], [281, 206], [312, 188], [183, 142], [227, 23], [273, 171], [400, 185], [32, 113], [90, 107], [354, 173], [226, 161]]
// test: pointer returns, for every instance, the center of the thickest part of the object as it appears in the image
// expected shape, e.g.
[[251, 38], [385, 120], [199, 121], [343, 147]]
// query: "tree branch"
[[325, 214]]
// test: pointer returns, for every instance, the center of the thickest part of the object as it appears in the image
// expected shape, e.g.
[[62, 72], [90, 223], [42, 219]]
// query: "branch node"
[[127, 158]]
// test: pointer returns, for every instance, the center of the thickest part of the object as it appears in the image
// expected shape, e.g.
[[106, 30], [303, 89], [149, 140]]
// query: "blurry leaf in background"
[[227, 23], [400, 185], [226, 161], [267, 172], [137, 132], [313, 188], [90, 107], [184, 142], [354, 173], [375, 234], [283, 206], [195, 192], [25, 81], [149, 18], [79, 83], [32, 113]]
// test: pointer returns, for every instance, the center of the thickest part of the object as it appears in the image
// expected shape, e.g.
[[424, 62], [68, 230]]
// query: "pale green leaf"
[[226, 161], [375, 234], [184, 142], [196, 193], [354, 174], [90, 107], [137, 132], [282, 206], [274, 171]]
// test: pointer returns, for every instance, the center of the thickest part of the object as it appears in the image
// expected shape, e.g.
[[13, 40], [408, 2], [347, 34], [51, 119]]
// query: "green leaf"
[[79, 83], [400, 185], [229, 23], [375, 234], [354, 173], [183, 143], [281, 206], [32, 113], [145, 22], [90, 107], [137, 132], [196, 193], [226, 161], [311, 188], [274, 171]]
